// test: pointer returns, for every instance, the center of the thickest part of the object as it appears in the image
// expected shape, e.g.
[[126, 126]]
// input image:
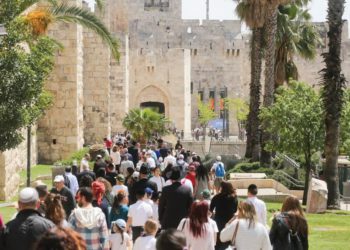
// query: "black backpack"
[[66, 181], [293, 239]]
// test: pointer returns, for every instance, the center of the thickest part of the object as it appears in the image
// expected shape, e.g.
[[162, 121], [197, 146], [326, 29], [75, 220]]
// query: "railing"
[[280, 175], [288, 160]]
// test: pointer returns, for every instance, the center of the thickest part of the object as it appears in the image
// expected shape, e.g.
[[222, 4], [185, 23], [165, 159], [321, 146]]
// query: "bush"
[[78, 155], [251, 167]]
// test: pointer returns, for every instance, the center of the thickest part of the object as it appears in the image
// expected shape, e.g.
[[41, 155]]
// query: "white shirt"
[[73, 183], [159, 181], [183, 181], [205, 242], [254, 238], [116, 241], [117, 188], [145, 243], [115, 157], [124, 166], [213, 169], [151, 162], [83, 163], [260, 209], [140, 212], [169, 159]]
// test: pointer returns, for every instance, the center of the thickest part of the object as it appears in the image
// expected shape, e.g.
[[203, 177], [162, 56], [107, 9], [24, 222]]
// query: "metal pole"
[[28, 154]]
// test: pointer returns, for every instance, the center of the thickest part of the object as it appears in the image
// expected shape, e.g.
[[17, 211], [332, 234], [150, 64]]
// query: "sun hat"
[[120, 223], [120, 178]]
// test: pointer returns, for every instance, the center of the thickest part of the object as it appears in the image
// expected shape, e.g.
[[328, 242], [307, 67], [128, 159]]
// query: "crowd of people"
[[149, 198]]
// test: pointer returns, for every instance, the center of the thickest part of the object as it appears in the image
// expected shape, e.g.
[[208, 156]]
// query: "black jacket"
[[141, 185], [67, 199], [89, 173], [174, 205], [25, 230], [99, 164], [280, 235]]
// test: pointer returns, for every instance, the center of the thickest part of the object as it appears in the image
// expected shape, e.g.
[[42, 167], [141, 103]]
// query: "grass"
[[328, 231]]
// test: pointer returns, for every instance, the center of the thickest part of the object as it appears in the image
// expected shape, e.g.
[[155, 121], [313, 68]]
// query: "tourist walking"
[[28, 226], [120, 207], [120, 185], [73, 181], [159, 180], [147, 241], [289, 228], [115, 156], [61, 239], [85, 172], [125, 164], [260, 206], [199, 231], [245, 232], [66, 195], [175, 201], [89, 221], [202, 181], [54, 210], [98, 192], [138, 214], [223, 206], [99, 163], [218, 170], [119, 239], [171, 239], [142, 183]]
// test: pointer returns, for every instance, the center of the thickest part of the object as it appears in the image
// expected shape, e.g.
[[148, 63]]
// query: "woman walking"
[[289, 228], [223, 206], [199, 231], [245, 232], [202, 181]]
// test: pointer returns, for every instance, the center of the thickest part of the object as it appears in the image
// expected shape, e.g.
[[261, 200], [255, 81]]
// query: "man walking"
[[175, 201], [28, 226], [73, 181], [89, 221], [67, 198], [218, 170], [260, 206]]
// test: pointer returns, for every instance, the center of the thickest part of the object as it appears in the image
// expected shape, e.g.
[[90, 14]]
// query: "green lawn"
[[329, 231]]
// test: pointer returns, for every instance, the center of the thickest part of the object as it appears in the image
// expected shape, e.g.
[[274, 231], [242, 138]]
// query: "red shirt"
[[108, 143], [192, 177]]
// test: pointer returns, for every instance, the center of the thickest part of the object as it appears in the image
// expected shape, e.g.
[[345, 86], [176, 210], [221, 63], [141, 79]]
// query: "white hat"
[[136, 174], [58, 178], [218, 158], [28, 195]]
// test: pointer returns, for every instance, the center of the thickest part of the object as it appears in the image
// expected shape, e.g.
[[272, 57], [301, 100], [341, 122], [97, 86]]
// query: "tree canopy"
[[206, 114], [145, 123]]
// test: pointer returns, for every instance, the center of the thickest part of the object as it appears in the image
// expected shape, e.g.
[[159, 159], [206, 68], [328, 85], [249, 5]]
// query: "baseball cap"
[[205, 194], [98, 156], [120, 178], [120, 223], [136, 174], [218, 158], [28, 195], [148, 190], [58, 178]]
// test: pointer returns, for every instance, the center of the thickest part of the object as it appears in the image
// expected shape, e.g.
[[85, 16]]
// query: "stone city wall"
[[14, 160]]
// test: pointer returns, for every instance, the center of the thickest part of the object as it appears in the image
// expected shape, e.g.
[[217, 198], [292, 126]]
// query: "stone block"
[[317, 196]]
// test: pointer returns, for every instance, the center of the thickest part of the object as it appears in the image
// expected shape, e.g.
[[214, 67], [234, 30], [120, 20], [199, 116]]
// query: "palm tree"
[[145, 123], [332, 94], [47, 12], [269, 88], [253, 14], [295, 36]]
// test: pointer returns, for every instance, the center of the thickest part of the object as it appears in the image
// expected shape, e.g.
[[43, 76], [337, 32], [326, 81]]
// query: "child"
[[119, 239], [148, 240]]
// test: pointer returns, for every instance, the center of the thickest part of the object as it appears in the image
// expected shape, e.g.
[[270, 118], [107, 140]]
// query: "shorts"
[[218, 181]]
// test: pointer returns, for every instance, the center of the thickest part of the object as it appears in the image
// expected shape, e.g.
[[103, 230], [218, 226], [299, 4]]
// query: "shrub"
[[78, 155]]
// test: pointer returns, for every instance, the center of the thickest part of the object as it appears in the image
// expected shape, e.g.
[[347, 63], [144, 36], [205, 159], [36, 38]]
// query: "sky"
[[224, 9]]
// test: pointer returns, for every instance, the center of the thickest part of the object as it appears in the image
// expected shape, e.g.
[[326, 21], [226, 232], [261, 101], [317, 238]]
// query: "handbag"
[[233, 241]]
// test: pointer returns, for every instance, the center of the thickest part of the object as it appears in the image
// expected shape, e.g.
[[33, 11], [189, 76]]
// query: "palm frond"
[[73, 14]]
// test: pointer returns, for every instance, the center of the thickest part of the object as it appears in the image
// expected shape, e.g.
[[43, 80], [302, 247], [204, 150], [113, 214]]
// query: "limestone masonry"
[[165, 63]]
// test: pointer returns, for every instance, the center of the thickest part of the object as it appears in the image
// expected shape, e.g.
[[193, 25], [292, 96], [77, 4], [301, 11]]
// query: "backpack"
[[66, 181], [294, 241], [219, 170]]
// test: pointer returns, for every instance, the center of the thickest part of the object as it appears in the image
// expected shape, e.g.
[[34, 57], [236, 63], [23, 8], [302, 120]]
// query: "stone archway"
[[153, 96]]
